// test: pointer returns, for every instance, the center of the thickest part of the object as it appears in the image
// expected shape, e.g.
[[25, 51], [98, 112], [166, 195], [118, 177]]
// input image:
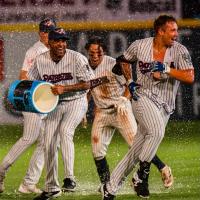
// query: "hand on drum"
[[58, 89]]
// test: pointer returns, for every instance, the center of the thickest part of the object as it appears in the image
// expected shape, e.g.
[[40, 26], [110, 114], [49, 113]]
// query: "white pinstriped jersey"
[[107, 94], [107, 120], [71, 69], [32, 130], [163, 93], [37, 49]]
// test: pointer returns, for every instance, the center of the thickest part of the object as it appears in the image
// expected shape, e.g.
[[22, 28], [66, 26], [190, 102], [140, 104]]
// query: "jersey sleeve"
[[84, 71], [29, 60], [33, 73], [131, 53], [184, 59], [120, 79]]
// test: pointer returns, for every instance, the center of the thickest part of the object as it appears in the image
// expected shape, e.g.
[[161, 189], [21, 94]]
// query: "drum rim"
[[57, 96], [11, 90]]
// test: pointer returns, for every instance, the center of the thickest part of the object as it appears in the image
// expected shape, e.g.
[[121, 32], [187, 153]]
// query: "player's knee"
[[156, 129], [158, 133], [67, 133], [27, 142], [130, 139], [49, 147], [95, 139]]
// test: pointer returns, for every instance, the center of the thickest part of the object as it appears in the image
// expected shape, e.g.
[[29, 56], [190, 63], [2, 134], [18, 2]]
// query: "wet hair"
[[96, 40], [162, 20]]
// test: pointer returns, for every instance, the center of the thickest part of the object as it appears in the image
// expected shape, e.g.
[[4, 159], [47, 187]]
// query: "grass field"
[[180, 149]]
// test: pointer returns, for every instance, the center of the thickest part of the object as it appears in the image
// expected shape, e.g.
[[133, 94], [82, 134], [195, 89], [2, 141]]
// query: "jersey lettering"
[[57, 77], [147, 65], [144, 65]]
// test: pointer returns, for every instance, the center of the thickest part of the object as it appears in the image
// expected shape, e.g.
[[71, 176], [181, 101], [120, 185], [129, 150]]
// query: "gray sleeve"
[[29, 59], [120, 79], [33, 73], [184, 59]]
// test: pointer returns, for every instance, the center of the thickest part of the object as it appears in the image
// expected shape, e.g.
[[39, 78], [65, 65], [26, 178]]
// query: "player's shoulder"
[[36, 45], [43, 55], [142, 42], [145, 40], [179, 46], [179, 49], [107, 63], [109, 58], [72, 52], [37, 48], [75, 54]]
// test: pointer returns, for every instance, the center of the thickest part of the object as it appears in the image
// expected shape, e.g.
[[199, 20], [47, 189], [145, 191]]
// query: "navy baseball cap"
[[47, 25], [57, 34]]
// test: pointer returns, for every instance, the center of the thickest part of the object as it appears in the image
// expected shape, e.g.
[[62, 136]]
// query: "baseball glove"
[[122, 105], [98, 81], [117, 69]]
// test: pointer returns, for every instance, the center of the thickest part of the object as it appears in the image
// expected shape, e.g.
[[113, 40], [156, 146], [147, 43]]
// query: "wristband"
[[167, 68]]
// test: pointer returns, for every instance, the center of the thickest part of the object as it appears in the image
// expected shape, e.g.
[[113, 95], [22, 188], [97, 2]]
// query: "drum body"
[[32, 96]]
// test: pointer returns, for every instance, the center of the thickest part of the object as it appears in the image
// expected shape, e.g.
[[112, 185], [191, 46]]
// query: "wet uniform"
[[32, 130], [71, 69], [106, 116], [153, 109]]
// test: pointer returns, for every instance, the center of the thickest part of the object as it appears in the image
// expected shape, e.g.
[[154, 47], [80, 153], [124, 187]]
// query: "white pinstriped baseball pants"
[[105, 122], [151, 128], [32, 132], [62, 122]]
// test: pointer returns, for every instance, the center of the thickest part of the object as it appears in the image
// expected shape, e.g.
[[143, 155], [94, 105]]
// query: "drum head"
[[43, 98]]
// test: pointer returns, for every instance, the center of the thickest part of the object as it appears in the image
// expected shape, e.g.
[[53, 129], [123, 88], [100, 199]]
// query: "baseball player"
[[71, 74], [113, 110], [162, 63], [113, 107], [32, 122]]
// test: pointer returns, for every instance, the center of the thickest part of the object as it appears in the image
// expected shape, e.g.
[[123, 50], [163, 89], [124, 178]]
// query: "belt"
[[61, 101]]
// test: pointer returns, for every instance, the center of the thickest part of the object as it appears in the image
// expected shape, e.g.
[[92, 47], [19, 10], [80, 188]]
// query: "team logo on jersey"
[[148, 66], [145, 66], [30, 61], [187, 58], [57, 77]]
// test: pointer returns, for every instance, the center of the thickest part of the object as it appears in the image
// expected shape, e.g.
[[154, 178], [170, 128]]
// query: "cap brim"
[[59, 38]]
